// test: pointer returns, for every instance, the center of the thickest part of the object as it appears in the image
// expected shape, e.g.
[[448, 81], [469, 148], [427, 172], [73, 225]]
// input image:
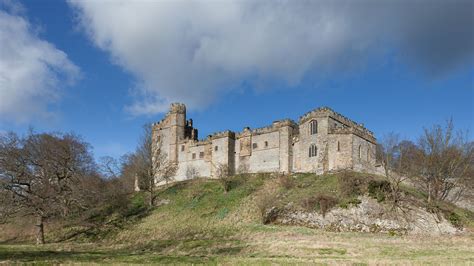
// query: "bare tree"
[[149, 164], [191, 172], [445, 160], [222, 174], [42, 175], [392, 157]]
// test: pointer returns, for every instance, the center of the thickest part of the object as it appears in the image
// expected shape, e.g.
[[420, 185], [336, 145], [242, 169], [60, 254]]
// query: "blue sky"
[[102, 70]]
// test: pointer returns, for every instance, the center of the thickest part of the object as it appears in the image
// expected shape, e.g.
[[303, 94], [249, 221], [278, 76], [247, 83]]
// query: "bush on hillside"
[[378, 189], [323, 203], [286, 182], [266, 200], [351, 184]]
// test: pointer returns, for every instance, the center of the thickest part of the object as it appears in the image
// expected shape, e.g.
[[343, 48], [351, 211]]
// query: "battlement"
[[177, 108], [283, 146], [222, 134], [326, 111]]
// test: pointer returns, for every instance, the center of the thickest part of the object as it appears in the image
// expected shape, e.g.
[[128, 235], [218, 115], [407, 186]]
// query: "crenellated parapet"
[[326, 111], [284, 145], [177, 108], [222, 134]]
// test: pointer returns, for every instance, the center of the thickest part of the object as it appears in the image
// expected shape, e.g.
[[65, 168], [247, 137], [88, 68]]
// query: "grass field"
[[260, 244], [201, 224]]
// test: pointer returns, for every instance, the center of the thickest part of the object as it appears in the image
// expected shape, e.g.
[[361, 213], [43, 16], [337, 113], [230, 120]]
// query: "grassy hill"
[[196, 221]]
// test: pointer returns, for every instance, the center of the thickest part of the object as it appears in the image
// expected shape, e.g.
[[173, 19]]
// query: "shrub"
[[321, 202], [351, 185], [352, 201], [378, 189], [454, 219], [309, 204], [286, 182], [325, 203], [265, 202]]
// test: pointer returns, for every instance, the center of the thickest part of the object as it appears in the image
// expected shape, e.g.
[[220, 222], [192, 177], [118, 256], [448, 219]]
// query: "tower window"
[[313, 150], [194, 156], [313, 127], [367, 154], [360, 152], [254, 146], [201, 154], [266, 144], [216, 148], [338, 146], [182, 147]]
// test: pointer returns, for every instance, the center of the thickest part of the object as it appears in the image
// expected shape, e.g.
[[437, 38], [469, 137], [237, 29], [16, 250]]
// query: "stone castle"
[[321, 141]]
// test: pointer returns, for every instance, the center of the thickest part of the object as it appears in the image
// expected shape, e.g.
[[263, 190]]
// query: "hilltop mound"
[[334, 202], [264, 217]]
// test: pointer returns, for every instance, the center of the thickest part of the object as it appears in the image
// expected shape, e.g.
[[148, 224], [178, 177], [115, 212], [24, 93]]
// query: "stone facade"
[[321, 141]]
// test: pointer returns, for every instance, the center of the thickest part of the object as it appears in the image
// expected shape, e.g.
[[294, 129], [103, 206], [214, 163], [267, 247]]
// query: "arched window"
[[313, 150], [313, 127]]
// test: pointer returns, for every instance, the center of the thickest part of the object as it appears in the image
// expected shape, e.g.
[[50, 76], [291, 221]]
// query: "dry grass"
[[201, 224]]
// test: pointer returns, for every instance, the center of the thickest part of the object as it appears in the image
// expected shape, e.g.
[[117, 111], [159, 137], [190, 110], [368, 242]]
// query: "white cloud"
[[32, 71], [194, 51]]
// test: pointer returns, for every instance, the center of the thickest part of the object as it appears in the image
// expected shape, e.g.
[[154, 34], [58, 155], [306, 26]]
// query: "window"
[[254, 146], [194, 156], [360, 152], [338, 146], [313, 150], [201, 154], [266, 144], [216, 148], [367, 154], [182, 147], [313, 127]]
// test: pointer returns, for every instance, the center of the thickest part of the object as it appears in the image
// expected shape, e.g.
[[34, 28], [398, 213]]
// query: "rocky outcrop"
[[370, 216]]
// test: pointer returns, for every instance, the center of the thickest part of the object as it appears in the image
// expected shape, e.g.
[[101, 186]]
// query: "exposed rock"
[[271, 215], [370, 216]]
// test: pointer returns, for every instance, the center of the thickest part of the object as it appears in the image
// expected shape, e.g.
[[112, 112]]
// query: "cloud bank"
[[195, 51], [32, 71]]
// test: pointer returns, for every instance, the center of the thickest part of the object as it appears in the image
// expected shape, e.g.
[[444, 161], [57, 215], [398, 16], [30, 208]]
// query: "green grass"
[[203, 225]]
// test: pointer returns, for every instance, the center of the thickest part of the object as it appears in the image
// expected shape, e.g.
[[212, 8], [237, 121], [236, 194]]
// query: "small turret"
[[177, 108]]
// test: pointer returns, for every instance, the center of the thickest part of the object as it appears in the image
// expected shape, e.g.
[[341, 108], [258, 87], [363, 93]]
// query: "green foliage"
[[222, 213], [378, 189], [455, 219], [346, 203]]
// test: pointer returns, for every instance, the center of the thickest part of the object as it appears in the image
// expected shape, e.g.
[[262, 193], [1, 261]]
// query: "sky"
[[103, 69]]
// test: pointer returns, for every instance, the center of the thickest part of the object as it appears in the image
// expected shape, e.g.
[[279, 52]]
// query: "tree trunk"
[[429, 191], [151, 199], [39, 230]]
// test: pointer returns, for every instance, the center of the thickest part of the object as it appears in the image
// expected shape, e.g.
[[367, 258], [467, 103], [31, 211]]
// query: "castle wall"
[[306, 139], [282, 147], [340, 151], [363, 154], [265, 155]]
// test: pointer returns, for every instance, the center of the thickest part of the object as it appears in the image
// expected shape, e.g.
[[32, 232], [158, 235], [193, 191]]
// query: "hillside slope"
[[196, 221]]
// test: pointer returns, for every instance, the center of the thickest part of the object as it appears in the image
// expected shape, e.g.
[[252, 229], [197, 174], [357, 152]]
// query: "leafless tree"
[[222, 174], [149, 164], [191, 172], [392, 156], [445, 161], [44, 175]]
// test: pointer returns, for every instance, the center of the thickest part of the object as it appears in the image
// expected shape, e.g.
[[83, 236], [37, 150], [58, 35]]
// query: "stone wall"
[[282, 147]]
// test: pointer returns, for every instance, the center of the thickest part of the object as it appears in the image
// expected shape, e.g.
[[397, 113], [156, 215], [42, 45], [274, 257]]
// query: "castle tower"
[[177, 123]]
